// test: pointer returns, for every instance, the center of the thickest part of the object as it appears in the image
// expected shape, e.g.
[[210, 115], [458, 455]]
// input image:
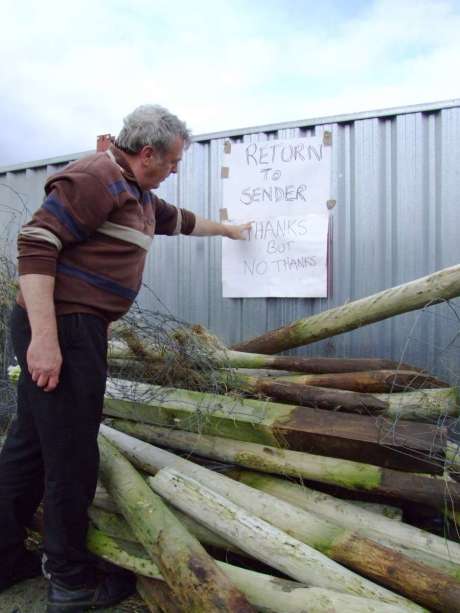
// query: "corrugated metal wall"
[[396, 179]]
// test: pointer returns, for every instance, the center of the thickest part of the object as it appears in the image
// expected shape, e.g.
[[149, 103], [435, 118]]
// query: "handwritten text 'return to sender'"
[[268, 159]]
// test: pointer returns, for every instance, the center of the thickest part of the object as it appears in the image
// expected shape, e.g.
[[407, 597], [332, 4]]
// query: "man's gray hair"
[[151, 124]]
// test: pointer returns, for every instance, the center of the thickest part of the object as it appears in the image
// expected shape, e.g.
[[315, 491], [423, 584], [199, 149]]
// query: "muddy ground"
[[30, 597]]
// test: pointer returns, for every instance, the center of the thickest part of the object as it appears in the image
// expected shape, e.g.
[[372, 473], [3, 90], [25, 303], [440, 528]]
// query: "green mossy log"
[[198, 584], [370, 381], [227, 358], [266, 593], [422, 405], [437, 287], [347, 436], [112, 523], [343, 473], [339, 543], [420, 545], [262, 540]]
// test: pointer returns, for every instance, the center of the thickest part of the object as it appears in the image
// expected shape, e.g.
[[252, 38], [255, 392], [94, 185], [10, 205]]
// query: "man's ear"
[[146, 154], [149, 154]]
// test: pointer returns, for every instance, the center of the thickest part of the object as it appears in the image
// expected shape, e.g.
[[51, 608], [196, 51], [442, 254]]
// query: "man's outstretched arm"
[[206, 227]]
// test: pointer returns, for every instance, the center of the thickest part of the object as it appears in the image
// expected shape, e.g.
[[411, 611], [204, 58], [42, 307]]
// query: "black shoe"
[[30, 566], [110, 591]]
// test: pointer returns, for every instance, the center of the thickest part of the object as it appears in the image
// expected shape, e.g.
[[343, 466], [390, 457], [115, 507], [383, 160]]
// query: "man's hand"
[[44, 361], [206, 227], [239, 232]]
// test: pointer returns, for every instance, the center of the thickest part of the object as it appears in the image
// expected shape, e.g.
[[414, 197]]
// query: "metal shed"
[[396, 180]]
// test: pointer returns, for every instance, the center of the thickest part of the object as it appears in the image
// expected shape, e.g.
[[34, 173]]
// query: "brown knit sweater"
[[93, 232]]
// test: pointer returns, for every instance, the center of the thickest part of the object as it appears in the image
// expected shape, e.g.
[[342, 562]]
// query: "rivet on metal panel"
[[227, 147], [224, 172], [223, 215], [327, 138], [331, 204]]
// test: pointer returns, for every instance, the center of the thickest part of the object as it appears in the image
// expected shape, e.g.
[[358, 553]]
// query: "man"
[[81, 259]]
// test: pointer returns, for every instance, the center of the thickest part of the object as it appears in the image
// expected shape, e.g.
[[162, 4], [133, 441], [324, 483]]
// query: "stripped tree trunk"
[[261, 539], [355, 437], [112, 524], [240, 359], [425, 291], [423, 405], [344, 473], [281, 596], [361, 554], [265, 592], [311, 396], [418, 544], [192, 575], [371, 381]]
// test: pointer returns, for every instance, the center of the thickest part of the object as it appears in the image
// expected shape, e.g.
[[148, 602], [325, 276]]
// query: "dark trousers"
[[51, 449]]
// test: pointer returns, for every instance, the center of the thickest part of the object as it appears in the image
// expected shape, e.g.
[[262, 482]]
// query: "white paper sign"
[[278, 177], [285, 256], [283, 186]]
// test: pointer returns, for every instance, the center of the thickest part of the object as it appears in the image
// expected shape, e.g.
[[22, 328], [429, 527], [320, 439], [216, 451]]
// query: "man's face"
[[156, 167]]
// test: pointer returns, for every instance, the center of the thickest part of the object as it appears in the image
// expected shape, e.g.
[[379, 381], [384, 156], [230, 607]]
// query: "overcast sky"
[[72, 70]]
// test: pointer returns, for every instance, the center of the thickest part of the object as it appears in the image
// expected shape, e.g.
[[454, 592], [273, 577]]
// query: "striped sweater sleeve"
[[75, 205], [172, 220]]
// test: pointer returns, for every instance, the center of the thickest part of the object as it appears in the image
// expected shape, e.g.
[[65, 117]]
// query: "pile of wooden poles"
[[271, 478], [258, 492]]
